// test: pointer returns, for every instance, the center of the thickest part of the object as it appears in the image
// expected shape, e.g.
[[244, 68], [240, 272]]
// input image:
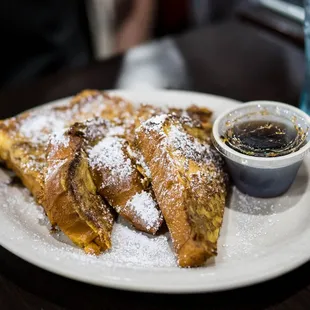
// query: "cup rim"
[[259, 162]]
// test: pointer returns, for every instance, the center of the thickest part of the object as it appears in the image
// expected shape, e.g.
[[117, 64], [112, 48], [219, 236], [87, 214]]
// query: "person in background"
[[118, 25], [44, 37]]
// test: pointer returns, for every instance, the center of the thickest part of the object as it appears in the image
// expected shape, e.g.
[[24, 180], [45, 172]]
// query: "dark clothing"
[[39, 37]]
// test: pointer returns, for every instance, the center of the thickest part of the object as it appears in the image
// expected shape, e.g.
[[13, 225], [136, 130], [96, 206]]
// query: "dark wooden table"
[[231, 59]]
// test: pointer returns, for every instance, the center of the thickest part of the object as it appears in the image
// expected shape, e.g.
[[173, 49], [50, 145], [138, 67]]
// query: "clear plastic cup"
[[262, 176]]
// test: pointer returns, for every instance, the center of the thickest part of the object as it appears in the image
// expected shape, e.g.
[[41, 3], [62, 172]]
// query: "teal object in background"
[[305, 96]]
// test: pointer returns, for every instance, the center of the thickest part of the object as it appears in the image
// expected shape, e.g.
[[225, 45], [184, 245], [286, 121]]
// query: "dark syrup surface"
[[263, 139]]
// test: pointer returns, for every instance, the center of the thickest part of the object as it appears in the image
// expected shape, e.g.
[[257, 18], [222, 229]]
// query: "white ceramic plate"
[[260, 238]]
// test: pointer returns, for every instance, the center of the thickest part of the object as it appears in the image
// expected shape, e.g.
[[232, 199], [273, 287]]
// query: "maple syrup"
[[263, 138]]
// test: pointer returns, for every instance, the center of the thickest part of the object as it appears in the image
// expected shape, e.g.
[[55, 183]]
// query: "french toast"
[[189, 184], [195, 120], [23, 148], [71, 199], [114, 172], [24, 138], [96, 156]]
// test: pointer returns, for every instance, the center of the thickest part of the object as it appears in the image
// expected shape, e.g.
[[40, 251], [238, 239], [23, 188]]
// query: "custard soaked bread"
[[195, 120], [96, 156], [23, 148], [189, 184], [114, 172], [71, 199], [24, 138]]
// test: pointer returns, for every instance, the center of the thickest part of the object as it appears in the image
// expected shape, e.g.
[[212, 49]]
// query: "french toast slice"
[[189, 184], [195, 120], [115, 175], [24, 141], [71, 199], [63, 170]]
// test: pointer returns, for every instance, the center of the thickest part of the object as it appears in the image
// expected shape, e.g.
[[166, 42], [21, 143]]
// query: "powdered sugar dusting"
[[154, 123], [129, 248], [94, 106], [38, 127], [58, 140], [116, 131], [39, 124], [139, 159], [142, 163], [145, 208], [97, 128], [187, 148], [178, 138], [109, 153], [132, 248], [254, 219], [186, 145]]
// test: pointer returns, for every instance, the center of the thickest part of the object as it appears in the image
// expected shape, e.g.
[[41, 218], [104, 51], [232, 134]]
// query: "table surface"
[[231, 59]]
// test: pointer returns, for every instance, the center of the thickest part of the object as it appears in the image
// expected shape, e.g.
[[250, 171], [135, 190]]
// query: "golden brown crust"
[[93, 103], [21, 157], [116, 178], [189, 187], [190, 190], [72, 202], [202, 115], [24, 139]]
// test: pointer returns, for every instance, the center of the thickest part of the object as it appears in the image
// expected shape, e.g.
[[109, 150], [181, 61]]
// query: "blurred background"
[[40, 38]]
